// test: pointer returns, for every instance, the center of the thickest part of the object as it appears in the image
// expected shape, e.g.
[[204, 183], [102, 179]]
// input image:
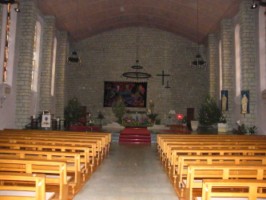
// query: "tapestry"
[[133, 94]]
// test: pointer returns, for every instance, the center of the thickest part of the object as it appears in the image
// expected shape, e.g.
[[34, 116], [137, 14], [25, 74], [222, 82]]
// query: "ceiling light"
[[139, 72], [198, 62]]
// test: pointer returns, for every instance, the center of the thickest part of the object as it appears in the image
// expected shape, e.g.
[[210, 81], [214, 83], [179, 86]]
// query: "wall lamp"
[[256, 3], [17, 9]]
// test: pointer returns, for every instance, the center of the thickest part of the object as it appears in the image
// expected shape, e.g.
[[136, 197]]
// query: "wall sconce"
[[17, 9], [256, 3]]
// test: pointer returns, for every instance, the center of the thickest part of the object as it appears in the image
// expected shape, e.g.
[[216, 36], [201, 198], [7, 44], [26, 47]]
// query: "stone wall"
[[228, 67], [106, 56], [46, 64], [213, 55], [62, 47], [249, 64], [26, 23]]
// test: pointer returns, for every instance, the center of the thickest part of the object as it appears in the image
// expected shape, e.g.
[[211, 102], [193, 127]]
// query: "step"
[[130, 142], [135, 136]]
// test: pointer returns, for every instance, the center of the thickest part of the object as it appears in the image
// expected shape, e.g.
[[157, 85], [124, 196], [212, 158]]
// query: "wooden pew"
[[214, 152], [229, 146], [106, 137], [185, 161], [231, 189], [92, 144], [55, 171], [197, 173], [172, 162], [169, 145], [162, 138], [101, 140], [86, 153], [75, 167], [33, 189]]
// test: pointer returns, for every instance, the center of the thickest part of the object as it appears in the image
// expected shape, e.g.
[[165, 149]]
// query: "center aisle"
[[130, 172]]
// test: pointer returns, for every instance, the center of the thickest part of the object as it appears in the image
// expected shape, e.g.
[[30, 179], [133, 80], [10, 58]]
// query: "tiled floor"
[[130, 172]]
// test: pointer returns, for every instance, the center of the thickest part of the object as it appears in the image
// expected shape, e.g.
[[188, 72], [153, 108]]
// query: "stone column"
[[46, 64], [248, 42], [62, 48], [25, 37], [213, 61], [228, 69]]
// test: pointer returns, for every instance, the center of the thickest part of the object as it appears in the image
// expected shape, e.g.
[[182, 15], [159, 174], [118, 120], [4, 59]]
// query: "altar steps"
[[135, 136]]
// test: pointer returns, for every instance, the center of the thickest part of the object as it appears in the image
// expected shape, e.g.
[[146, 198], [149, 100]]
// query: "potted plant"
[[119, 110], [194, 124], [252, 130], [72, 112], [152, 117], [241, 128], [100, 117], [209, 112], [222, 125], [184, 121]]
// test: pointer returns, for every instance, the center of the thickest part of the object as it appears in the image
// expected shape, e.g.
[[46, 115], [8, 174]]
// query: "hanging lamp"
[[74, 58], [137, 71], [198, 62]]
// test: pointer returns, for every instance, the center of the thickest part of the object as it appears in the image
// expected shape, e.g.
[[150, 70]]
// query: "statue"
[[244, 104], [224, 103], [151, 107]]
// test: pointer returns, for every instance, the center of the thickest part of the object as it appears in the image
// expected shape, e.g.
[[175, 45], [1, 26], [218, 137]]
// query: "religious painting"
[[224, 100], [245, 101], [133, 94]]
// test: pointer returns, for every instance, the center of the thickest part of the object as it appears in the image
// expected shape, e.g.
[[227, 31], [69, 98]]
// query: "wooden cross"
[[163, 75]]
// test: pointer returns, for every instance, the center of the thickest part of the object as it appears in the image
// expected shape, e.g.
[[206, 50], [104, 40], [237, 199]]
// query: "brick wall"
[[248, 35], [45, 67], [106, 56], [213, 61], [228, 67], [26, 23], [62, 46]]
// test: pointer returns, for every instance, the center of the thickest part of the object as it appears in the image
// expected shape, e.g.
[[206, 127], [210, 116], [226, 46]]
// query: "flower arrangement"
[[222, 119], [152, 116], [132, 122], [242, 129]]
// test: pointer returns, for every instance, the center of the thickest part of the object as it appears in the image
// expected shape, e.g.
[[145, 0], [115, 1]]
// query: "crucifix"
[[163, 75]]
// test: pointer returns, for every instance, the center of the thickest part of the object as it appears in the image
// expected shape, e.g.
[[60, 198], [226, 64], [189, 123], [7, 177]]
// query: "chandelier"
[[198, 61], [74, 58], [137, 74], [137, 71]]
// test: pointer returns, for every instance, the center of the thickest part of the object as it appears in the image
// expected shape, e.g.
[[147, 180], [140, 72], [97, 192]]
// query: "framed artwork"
[[245, 101], [224, 100], [133, 94]]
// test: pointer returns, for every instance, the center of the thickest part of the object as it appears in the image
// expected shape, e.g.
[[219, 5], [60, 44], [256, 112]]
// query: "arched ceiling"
[[85, 18]]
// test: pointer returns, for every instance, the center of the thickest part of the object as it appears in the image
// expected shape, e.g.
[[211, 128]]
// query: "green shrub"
[[209, 112]]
